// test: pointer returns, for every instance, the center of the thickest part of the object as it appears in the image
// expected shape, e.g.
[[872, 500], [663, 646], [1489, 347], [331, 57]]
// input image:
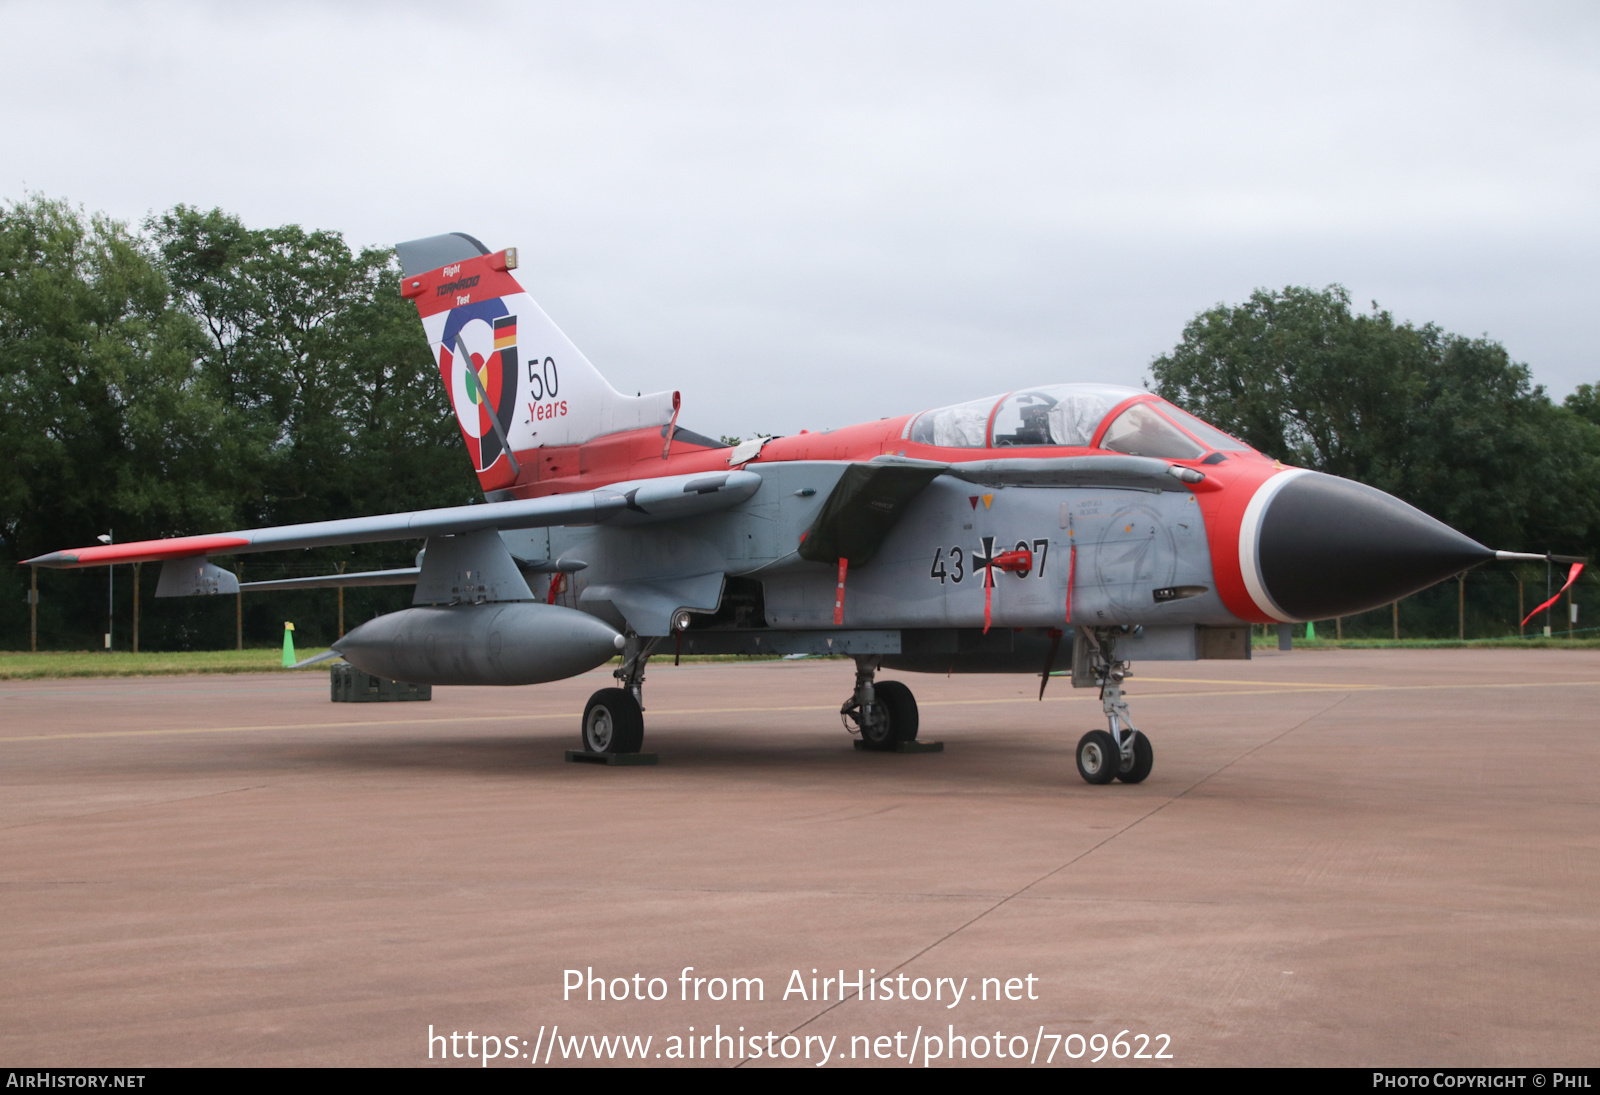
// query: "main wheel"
[[1143, 758], [612, 722], [894, 717], [1099, 759]]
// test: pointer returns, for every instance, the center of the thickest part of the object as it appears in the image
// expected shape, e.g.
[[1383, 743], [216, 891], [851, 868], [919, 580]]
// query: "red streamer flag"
[[1072, 569], [988, 595], [1572, 576]]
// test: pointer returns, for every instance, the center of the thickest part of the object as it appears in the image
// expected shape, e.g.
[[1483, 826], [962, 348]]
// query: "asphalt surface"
[[1342, 857]]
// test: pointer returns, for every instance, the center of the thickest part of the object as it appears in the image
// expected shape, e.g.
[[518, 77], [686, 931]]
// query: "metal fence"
[[1486, 603]]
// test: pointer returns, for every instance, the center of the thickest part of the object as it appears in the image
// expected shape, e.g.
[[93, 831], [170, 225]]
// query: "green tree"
[[1450, 424], [332, 404], [107, 421], [203, 376], [1585, 403]]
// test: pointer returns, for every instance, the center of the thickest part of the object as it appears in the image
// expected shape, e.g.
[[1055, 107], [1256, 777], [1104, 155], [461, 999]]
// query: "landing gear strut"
[[613, 719], [635, 654], [1122, 752], [884, 714]]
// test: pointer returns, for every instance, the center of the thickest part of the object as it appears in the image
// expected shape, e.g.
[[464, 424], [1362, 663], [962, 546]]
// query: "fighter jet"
[[1089, 523]]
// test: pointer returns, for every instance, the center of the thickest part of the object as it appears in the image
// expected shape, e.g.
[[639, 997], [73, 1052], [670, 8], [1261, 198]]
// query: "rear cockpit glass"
[[1140, 431], [964, 426], [1204, 430]]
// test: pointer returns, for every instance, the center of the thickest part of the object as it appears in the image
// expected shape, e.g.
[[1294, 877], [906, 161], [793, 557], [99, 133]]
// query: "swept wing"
[[639, 502]]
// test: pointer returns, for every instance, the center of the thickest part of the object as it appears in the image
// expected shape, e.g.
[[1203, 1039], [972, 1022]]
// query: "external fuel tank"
[[508, 643]]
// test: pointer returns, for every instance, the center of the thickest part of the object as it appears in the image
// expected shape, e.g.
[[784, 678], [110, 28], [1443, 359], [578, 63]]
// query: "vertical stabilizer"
[[516, 382]]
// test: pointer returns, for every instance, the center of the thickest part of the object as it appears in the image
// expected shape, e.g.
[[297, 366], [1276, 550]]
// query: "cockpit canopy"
[[1071, 415]]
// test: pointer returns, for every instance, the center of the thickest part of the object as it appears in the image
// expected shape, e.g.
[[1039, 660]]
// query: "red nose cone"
[[1331, 547]]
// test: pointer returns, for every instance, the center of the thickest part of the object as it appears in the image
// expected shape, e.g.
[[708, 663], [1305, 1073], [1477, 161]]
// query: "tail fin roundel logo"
[[478, 361]]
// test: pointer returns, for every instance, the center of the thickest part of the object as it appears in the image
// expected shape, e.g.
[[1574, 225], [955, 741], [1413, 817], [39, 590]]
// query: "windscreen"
[[1204, 430], [1140, 431]]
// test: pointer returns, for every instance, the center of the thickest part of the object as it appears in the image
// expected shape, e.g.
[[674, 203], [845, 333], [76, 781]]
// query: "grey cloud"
[[807, 216]]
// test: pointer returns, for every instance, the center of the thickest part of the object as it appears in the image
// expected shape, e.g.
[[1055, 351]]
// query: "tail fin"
[[516, 382]]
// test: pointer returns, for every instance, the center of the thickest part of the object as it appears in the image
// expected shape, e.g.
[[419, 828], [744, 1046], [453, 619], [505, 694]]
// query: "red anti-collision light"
[[1014, 560]]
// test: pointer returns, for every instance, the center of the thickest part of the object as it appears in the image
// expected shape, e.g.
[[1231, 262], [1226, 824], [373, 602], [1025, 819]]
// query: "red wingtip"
[[139, 551]]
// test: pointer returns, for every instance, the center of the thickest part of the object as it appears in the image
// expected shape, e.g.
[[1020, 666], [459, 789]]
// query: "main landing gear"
[[884, 714], [613, 719], [1121, 752]]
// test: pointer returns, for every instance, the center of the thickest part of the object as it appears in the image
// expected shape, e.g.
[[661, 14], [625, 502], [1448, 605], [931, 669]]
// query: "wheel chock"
[[905, 747], [583, 756]]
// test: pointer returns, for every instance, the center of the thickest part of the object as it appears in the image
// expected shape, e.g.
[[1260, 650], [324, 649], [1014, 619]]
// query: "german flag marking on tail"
[[505, 332]]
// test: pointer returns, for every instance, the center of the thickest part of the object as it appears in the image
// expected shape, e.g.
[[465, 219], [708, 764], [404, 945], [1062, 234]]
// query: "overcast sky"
[[809, 215]]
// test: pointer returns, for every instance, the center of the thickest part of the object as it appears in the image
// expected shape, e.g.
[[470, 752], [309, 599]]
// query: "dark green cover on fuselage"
[[865, 504]]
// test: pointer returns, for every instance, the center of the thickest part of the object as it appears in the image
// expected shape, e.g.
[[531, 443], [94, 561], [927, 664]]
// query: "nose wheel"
[[1137, 758], [1099, 759]]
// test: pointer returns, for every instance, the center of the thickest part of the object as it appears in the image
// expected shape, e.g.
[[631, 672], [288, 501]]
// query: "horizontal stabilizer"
[[405, 576]]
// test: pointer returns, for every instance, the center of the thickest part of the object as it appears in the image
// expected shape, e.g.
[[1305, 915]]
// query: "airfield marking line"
[[503, 718], [391, 722], [1412, 687], [531, 717], [1281, 691], [273, 726], [1114, 835], [130, 806], [1272, 684], [1087, 851]]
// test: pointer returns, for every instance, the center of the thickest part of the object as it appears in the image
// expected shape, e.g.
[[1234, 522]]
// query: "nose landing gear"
[[1122, 752]]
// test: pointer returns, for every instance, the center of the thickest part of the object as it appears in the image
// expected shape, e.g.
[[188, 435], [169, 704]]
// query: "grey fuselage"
[[1142, 561]]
